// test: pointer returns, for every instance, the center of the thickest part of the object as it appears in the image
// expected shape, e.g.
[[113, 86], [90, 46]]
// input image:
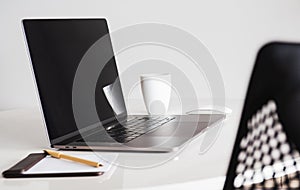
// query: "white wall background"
[[233, 31]]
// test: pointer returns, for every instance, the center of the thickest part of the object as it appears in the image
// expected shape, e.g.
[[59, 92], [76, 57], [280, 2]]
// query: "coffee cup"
[[156, 90]]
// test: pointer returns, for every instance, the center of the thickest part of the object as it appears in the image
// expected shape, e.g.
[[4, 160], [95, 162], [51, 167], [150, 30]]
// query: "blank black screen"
[[56, 48]]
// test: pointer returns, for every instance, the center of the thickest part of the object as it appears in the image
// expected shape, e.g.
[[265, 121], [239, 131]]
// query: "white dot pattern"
[[265, 152]]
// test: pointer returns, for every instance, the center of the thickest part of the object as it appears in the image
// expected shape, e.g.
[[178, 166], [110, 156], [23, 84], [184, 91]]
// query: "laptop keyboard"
[[133, 128]]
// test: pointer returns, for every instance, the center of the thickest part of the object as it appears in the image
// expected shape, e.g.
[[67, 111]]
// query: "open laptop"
[[56, 47]]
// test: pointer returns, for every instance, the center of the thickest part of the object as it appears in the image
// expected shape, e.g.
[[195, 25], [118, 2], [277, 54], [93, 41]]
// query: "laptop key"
[[136, 127]]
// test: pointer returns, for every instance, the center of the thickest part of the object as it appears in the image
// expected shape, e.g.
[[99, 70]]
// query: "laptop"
[[56, 48]]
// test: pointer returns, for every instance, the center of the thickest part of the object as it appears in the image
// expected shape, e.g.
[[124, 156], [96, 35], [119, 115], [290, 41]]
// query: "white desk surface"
[[22, 132]]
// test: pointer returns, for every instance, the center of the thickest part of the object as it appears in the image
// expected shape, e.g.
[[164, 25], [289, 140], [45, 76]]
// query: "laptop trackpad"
[[182, 129], [156, 142]]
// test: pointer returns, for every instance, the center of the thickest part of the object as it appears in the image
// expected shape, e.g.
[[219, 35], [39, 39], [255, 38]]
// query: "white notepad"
[[54, 165]]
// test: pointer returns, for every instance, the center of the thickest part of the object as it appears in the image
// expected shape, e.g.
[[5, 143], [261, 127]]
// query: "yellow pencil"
[[75, 159]]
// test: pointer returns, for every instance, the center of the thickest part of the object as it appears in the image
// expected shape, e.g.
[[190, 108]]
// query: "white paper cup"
[[156, 90]]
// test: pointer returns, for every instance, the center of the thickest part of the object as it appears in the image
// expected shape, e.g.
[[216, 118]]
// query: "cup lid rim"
[[154, 74]]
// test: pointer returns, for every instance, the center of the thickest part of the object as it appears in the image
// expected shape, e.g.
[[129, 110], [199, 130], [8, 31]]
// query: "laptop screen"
[[56, 47]]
